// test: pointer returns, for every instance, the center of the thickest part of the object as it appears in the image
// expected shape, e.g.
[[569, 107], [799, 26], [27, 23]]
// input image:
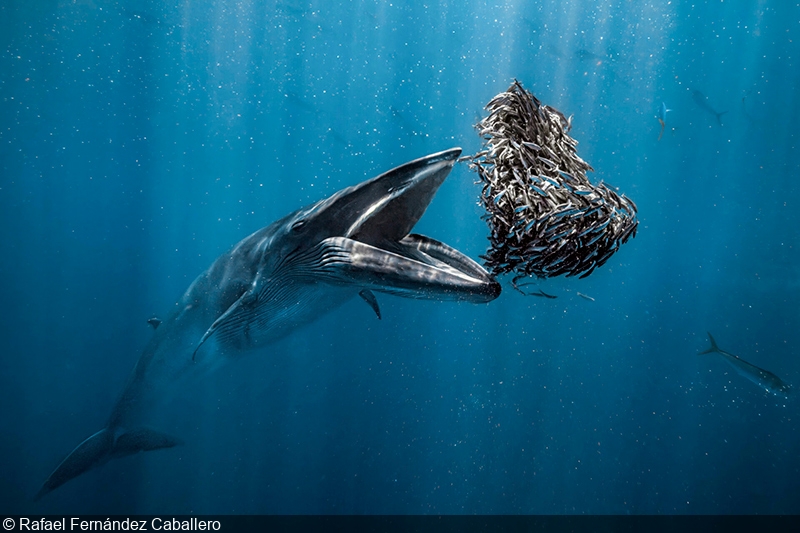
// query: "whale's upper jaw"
[[399, 198], [384, 208]]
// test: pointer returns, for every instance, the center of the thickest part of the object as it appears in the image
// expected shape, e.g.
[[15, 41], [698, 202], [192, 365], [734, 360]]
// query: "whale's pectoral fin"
[[233, 319], [369, 297], [414, 267], [99, 448], [142, 440]]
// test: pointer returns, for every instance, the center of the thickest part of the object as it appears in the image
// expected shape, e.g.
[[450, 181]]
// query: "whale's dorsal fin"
[[369, 297]]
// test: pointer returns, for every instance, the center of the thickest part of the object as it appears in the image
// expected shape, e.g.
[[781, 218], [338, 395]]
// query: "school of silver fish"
[[546, 218]]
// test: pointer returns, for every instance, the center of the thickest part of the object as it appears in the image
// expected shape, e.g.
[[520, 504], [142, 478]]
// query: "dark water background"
[[140, 140]]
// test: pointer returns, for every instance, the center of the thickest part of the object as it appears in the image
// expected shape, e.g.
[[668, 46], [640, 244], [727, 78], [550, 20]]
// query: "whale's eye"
[[297, 226]]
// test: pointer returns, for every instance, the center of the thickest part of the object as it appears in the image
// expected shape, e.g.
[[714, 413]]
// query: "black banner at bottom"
[[403, 523]]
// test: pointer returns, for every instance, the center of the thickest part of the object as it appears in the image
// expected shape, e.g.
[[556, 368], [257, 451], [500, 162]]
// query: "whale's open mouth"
[[377, 250]]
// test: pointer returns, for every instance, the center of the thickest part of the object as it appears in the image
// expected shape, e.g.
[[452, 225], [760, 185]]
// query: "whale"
[[355, 243]]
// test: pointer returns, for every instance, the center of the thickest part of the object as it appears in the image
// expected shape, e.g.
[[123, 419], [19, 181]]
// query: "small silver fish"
[[531, 145]]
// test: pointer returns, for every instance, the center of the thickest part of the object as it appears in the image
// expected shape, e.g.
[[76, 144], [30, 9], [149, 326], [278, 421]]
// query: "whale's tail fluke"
[[102, 446]]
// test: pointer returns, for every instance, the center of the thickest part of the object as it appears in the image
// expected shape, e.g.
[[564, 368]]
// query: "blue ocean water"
[[141, 140]]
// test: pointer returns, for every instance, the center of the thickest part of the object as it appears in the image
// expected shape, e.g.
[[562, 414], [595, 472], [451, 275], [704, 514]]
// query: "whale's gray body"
[[281, 277]]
